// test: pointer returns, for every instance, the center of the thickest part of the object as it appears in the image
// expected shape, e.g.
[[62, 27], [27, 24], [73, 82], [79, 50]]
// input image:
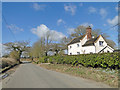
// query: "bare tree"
[[38, 48], [64, 41], [19, 47], [81, 30], [42, 46], [47, 41], [111, 43]]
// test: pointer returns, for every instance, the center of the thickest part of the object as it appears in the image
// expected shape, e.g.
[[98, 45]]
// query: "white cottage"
[[87, 44]]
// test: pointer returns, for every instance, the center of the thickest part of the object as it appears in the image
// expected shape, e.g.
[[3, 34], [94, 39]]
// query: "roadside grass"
[[6, 63], [107, 76]]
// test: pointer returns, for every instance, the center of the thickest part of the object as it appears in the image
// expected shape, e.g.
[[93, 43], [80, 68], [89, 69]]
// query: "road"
[[32, 76]]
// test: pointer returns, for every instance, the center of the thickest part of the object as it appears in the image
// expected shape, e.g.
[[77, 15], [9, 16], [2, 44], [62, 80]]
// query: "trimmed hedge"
[[104, 60], [43, 59]]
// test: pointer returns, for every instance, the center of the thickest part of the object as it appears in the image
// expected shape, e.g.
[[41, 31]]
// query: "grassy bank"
[[106, 76], [7, 63]]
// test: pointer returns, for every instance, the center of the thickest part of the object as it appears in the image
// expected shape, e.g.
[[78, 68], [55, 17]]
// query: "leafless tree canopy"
[[81, 30], [19, 47]]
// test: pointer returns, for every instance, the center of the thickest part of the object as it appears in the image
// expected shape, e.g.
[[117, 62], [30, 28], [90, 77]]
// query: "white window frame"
[[78, 53], [101, 43], [78, 45]]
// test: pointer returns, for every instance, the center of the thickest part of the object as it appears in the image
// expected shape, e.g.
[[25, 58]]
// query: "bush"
[[5, 62], [104, 60], [43, 59], [5, 56], [14, 55]]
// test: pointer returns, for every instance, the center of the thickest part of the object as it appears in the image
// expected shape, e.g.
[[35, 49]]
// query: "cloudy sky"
[[30, 21]]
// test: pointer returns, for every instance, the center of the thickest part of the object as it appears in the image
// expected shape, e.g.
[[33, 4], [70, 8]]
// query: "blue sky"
[[29, 21]]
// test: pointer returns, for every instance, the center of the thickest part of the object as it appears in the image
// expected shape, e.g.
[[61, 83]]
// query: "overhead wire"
[[9, 28]]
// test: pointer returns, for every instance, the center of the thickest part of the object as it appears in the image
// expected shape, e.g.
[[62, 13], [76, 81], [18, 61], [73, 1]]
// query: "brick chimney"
[[88, 32]]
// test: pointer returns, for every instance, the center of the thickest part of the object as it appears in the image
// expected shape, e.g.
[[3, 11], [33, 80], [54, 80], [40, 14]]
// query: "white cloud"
[[113, 21], [59, 21], [116, 8], [15, 28], [92, 10], [3, 50], [87, 24], [70, 8], [81, 4], [103, 12], [104, 24], [37, 6], [70, 30], [42, 30]]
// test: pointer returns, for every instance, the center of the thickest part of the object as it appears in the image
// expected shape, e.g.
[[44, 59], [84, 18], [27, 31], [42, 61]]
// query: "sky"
[[30, 21]]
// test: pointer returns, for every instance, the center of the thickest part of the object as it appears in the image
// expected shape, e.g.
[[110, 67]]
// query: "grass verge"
[[109, 77], [6, 64]]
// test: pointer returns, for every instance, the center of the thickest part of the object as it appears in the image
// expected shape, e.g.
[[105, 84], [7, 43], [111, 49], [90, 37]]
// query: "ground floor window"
[[70, 53], [91, 52], [78, 53]]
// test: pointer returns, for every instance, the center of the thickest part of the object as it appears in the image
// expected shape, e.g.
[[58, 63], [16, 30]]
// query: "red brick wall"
[[88, 32]]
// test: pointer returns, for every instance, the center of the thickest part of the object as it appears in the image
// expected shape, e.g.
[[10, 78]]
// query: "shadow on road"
[[26, 62]]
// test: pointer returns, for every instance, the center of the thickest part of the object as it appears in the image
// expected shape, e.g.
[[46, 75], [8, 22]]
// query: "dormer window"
[[78, 45], [101, 43], [70, 46]]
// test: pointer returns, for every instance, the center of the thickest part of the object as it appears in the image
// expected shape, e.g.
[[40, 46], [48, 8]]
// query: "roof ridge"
[[76, 38]]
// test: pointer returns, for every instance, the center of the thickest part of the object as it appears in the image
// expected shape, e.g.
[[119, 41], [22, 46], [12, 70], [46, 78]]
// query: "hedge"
[[7, 62], [104, 60]]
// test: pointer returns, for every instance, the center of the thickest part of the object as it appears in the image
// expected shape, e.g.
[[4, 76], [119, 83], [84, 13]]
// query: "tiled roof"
[[75, 40], [90, 42]]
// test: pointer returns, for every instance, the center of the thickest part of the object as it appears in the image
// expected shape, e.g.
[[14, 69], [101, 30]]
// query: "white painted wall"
[[82, 50], [84, 40], [108, 48], [74, 48], [98, 47], [88, 49]]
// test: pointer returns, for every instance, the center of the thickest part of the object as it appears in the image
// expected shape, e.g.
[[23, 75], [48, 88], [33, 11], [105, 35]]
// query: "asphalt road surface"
[[29, 75]]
